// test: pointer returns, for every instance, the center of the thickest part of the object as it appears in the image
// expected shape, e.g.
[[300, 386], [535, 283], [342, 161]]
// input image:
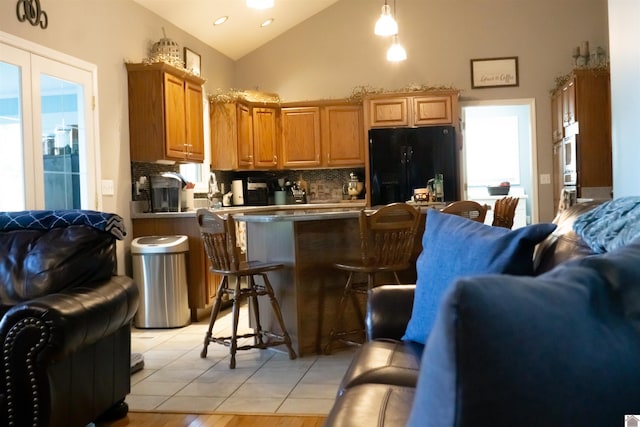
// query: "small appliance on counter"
[[237, 191], [257, 192], [166, 190]]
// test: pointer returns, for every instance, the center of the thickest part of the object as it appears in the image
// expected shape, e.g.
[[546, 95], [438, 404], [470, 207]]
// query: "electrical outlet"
[[545, 178], [107, 187]]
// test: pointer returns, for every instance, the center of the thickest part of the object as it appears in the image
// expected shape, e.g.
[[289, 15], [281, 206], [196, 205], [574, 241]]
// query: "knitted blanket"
[[611, 225], [48, 219]]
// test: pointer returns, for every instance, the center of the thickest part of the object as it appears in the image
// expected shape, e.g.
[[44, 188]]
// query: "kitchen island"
[[308, 243]]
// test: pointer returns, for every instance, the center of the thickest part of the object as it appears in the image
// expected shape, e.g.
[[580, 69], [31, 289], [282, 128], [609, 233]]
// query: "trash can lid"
[[159, 244]]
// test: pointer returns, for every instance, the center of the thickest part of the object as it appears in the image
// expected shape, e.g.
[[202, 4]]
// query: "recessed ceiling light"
[[267, 22], [220, 20]]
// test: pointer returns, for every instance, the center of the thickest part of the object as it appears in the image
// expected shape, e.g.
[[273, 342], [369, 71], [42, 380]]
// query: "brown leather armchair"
[[65, 325]]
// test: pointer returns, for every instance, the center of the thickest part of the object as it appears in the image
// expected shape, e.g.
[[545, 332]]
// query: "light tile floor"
[[175, 378]]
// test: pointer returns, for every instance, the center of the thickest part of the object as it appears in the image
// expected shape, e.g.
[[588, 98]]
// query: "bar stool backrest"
[[468, 209], [387, 235], [504, 211], [219, 237]]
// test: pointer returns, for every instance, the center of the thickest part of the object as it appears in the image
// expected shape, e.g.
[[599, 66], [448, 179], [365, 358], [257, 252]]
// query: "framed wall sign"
[[494, 72], [192, 61]]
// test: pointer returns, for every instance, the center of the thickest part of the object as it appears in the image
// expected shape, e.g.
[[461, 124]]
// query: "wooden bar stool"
[[219, 237], [386, 241]]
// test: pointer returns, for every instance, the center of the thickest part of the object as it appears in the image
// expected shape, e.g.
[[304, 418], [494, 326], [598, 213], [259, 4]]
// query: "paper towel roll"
[[236, 190]]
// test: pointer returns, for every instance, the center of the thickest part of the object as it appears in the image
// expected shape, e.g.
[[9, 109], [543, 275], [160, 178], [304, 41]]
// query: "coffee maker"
[[166, 192]]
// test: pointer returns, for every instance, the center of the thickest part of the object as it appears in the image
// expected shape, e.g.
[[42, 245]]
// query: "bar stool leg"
[[214, 315], [235, 320], [346, 293], [276, 309], [257, 338]]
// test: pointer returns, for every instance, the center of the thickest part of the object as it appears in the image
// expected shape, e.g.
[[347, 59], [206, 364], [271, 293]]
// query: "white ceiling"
[[241, 33]]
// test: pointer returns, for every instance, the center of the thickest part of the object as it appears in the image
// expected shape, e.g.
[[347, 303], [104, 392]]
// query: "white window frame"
[[56, 64]]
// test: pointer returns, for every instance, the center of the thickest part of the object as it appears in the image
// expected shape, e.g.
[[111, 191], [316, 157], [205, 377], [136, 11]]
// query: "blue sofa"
[[559, 346]]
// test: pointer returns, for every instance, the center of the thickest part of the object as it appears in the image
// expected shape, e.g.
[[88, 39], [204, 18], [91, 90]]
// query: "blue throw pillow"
[[453, 247], [562, 346]]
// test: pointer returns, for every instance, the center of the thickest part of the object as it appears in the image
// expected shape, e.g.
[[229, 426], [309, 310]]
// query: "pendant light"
[[386, 24], [260, 4], [396, 52]]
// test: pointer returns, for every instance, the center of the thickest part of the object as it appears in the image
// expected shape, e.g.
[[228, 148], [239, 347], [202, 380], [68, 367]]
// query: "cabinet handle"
[[275, 159]]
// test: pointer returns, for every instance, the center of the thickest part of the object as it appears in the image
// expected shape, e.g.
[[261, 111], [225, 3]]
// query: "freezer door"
[[403, 159]]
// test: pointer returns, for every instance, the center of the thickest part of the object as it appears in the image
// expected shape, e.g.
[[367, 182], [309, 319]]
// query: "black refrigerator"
[[401, 159]]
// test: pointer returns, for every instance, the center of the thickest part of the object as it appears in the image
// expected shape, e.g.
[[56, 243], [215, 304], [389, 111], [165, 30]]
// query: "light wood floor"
[[157, 419]]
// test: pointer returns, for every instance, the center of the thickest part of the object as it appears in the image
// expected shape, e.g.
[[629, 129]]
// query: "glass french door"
[[47, 147]]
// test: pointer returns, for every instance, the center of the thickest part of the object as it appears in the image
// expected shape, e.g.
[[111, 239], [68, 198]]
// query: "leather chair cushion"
[[384, 362], [554, 350], [35, 262], [372, 405]]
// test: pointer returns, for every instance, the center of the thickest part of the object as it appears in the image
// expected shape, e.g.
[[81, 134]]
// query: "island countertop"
[[269, 210]]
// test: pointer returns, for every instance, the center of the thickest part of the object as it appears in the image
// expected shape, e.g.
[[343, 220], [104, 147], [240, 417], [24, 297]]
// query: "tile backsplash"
[[323, 184]]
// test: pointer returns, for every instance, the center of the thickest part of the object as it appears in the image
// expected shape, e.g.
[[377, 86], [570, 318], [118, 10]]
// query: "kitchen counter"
[[137, 211]]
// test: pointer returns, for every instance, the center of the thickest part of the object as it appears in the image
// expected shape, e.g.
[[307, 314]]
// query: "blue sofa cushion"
[[453, 247], [555, 350]]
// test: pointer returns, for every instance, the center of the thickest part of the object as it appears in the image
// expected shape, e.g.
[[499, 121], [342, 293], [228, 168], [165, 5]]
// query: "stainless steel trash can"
[[160, 271]]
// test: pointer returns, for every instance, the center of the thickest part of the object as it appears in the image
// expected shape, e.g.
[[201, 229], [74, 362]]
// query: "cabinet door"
[[245, 136], [557, 129], [194, 125], [224, 136], [343, 135], [389, 112], [432, 110], [300, 143], [569, 103], [265, 139], [558, 170], [175, 117]]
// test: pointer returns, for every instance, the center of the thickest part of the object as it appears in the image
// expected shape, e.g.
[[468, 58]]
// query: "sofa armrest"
[[389, 310], [58, 324]]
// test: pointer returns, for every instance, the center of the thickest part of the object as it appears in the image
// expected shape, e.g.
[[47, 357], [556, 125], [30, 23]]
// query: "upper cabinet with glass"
[[165, 114]]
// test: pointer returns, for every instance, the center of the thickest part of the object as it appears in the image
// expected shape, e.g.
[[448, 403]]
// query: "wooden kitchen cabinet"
[[165, 114], [243, 136], [300, 142], [586, 112], [432, 110], [265, 137], [342, 136], [557, 126], [322, 134], [412, 109]]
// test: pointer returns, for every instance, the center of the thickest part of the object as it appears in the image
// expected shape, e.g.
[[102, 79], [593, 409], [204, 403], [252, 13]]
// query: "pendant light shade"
[[396, 52], [386, 25], [260, 4]]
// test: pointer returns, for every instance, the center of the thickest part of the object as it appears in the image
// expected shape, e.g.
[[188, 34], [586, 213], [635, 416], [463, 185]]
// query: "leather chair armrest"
[[58, 324], [389, 310]]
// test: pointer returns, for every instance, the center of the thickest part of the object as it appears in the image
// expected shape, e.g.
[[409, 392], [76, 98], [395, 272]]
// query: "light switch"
[[107, 187], [545, 178]]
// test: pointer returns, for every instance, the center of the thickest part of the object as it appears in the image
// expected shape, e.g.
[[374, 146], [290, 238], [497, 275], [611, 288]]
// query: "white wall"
[[624, 34], [335, 51], [108, 33]]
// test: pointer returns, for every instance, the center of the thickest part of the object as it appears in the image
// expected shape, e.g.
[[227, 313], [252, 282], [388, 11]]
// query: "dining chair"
[[504, 211], [468, 209], [386, 243], [219, 237]]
